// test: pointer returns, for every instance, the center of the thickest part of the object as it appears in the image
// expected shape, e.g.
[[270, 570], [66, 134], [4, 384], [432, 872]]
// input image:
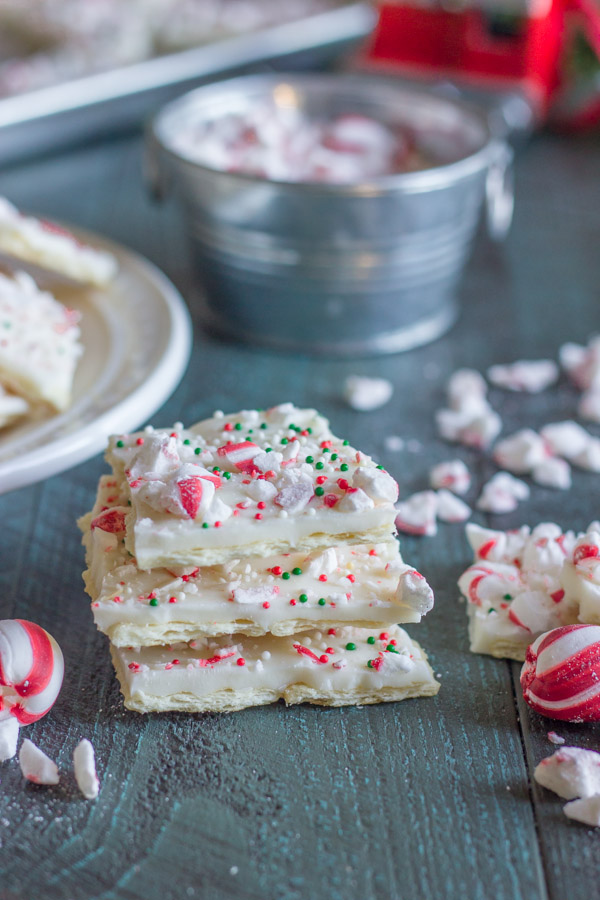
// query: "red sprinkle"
[[241, 661], [140, 441], [321, 479], [175, 662], [372, 553], [269, 473], [351, 578], [322, 577], [331, 631], [343, 484], [325, 444], [383, 636], [228, 426], [258, 516], [217, 524], [557, 596], [323, 659], [172, 599], [292, 602], [266, 604], [330, 650], [134, 666], [261, 505], [276, 570]]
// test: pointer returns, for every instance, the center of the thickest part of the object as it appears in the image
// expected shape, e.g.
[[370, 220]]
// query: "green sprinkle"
[[238, 426], [216, 469], [370, 663], [333, 457], [205, 524], [302, 598], [344, 467], [251, 431], [321, 601], [227, 475], [350, 646], [296, 571], [264, 425], [129, 503], [319, 465], [370, 640], [292, 427], [346, 443], [198, 451], [120, 444], [284, 441], [286, 576], [391, 649], [154, 602], [507, 597], [319, 491], [379, 467], [268, 449], [310, 459], [187, 442], [326, 450], [309, 430]]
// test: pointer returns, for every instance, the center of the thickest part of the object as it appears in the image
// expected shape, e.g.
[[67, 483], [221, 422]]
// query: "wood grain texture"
[[426, 799]]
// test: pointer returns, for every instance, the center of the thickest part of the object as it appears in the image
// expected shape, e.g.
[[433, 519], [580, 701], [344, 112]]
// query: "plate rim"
[[131, 411]]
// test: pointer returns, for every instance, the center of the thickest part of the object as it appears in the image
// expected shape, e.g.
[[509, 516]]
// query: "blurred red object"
[[513, 45]]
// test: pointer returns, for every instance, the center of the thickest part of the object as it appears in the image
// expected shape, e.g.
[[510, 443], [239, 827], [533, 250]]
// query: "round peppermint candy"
[[561, 674], [31, 670]]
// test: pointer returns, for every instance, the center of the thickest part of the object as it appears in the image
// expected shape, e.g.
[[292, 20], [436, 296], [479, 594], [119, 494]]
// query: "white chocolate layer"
[[524, 583], [282, 482], [39, 343], [227, 674], [52, 248], [360, 586]]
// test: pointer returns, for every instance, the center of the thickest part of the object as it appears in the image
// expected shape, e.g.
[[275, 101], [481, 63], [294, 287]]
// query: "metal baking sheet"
[[54, 117]]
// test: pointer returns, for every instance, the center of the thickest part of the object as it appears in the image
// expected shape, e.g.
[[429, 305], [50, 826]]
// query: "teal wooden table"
[[424, 799]]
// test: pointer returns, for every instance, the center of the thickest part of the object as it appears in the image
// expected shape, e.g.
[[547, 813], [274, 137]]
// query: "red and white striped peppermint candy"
[[561, 674], [31, 670], [241, 456]]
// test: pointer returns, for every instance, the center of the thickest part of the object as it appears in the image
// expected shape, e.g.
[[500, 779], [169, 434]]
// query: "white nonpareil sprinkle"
[[570, 772], [451, 508], [585, 810], [365, 394], [531, 376], [452, 475], [36, 766], [9, 733], [417, 514], [84, 763]]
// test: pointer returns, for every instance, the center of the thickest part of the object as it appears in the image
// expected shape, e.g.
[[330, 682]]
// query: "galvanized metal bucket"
[[336, 269]]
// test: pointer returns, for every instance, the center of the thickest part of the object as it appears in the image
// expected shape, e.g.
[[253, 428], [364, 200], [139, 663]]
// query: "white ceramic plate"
[[137, 337]]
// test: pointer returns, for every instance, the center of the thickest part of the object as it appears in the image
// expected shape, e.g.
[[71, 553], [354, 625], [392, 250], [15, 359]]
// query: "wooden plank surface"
[[425, 799]]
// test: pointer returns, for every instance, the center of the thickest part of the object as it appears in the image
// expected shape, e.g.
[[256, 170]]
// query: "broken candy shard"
[[570, 772], [84, 763], [36, 766], [9, 733], [364, 394], [585, 810]]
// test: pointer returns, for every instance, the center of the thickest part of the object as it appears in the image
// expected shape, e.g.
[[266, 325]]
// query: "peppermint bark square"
[[39, 345], [360, 585], [249, 484], [526, 582], [337, 667]]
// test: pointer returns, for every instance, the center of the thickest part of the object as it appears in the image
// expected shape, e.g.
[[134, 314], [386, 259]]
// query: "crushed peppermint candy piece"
[[566, 439], [451, 508], [365, 394], [84, 762], [521, 452], [393, 443], [585, 810], [554, 473], [570, 772], [452, 475], [469, 420], [417, 514], [9, 733], [36, 766], [531, 376], [555, 738], [502, 493]]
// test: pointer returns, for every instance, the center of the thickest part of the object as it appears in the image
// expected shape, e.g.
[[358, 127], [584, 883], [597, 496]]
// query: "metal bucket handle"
[[156, 176], [499, 192]]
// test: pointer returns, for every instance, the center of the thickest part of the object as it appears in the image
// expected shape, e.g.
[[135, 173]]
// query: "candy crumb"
[[36, 766], [84, 762]]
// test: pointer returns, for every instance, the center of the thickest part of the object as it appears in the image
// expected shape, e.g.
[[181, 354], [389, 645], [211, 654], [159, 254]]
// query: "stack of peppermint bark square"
[[252, 558]]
